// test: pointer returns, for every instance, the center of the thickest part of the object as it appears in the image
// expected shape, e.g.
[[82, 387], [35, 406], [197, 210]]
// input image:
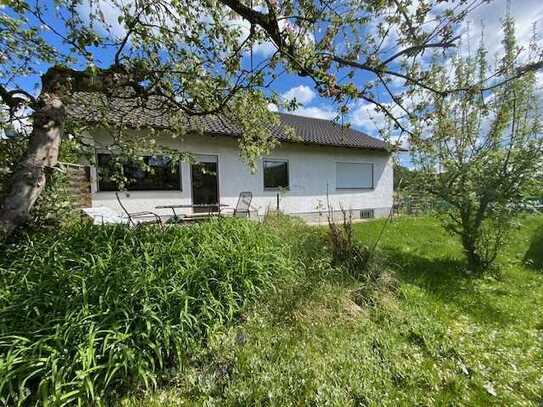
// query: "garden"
[[441, 308], [232, 312]]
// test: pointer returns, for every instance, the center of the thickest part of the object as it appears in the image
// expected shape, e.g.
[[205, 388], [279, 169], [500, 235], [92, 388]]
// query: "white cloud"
[[272, 107], [363, 116], [487, 19], [317, 112], [264, 49], [487, 16], [111, 12], [303, 94]]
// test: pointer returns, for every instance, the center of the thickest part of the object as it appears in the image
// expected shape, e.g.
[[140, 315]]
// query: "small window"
[[275, 174], [156, 173], [367, 214], [354, 176]]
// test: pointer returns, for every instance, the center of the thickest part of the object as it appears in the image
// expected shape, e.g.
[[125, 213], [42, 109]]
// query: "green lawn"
[[441, 337]]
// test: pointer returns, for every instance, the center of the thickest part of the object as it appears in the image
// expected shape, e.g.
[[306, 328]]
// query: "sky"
[[487, 18], [362, 116], [525, 12]]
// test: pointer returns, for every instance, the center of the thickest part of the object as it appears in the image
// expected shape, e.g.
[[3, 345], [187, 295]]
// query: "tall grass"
[[88, 311], [446, 339], [534, 255]]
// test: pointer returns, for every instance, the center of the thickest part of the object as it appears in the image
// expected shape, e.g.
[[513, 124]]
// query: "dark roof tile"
[[94, 108]]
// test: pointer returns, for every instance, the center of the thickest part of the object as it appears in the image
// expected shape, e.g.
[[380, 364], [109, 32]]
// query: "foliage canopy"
[[480, 150]]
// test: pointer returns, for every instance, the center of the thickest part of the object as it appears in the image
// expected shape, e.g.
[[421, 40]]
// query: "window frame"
[[372, 166], [99, 189], [280, 160]]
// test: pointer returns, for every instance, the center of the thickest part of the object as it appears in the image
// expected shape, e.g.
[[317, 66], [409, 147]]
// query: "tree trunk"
[[28, 180], [49, 117], [475, 262]]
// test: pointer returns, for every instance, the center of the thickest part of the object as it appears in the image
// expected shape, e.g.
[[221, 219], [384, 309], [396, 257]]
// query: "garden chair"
[[243, 206], [137, 218]]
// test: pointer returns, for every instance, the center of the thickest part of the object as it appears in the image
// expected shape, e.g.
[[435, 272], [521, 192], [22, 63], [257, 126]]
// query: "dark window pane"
[[204, 185], [156, 173], [275, 174], [106, 170]]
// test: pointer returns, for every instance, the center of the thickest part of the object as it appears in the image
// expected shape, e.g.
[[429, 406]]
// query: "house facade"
[[328, 166]]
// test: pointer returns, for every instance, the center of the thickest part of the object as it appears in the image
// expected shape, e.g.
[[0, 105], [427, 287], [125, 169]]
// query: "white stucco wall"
[[312, 171]]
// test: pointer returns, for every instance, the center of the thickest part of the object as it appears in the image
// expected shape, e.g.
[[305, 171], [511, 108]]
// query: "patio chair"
[[137, 218], [243, 206]]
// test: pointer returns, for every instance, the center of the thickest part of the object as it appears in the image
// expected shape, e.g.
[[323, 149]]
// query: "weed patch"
[[89, 310], [442, 338]]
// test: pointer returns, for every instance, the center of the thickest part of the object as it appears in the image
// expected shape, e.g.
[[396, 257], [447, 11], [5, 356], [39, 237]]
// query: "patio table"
[[192, 206]]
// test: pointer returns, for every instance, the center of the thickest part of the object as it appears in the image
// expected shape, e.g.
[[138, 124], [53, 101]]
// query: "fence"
[[78, 184], [417, 204]]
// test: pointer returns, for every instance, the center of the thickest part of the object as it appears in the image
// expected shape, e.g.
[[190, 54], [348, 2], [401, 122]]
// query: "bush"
[[90, 310], [346, 249], [332, 250], [308, 244]]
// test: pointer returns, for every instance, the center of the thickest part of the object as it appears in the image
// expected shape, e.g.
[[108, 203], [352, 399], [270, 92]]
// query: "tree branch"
[[380, 71], [386, 111], [419, 48], [256, 17]]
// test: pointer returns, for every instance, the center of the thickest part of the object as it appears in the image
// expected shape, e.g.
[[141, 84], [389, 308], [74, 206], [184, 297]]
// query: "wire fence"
[[419, 204]]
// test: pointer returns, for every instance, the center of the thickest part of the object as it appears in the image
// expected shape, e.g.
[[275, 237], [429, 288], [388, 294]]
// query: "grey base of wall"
[[322, 217]]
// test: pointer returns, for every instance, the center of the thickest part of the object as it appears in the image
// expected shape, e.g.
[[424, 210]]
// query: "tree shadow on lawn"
[[534, 255], [445, 279]]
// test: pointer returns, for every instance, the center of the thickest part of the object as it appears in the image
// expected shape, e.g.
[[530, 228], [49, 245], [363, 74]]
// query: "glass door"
[[205, 184]]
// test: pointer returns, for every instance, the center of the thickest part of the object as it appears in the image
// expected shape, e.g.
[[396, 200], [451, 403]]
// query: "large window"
[[354, 176], [275, 174], [155, 173]]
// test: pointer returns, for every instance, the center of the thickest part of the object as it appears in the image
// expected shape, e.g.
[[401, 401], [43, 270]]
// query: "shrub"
[[326, 250], [90, 310], [346, 249]]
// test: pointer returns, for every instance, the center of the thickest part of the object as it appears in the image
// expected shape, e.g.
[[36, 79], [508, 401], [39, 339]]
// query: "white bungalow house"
[[326, 164]]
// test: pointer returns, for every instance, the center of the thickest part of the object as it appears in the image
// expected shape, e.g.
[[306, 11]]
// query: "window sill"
[[276, 189], [356, 189], [101, 191]]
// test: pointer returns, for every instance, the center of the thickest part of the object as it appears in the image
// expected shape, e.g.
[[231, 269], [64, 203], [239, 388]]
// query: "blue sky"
[[362, 116], [526, 12], [488, 16]]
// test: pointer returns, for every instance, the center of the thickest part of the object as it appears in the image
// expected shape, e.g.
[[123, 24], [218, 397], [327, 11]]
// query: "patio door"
[[205, 182]]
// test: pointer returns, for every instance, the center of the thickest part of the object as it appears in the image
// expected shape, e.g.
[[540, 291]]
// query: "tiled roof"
[[326, 132], [94, 108]]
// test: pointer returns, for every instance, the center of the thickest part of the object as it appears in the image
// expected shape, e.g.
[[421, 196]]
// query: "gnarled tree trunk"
[[29, 178], [49, 117]]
